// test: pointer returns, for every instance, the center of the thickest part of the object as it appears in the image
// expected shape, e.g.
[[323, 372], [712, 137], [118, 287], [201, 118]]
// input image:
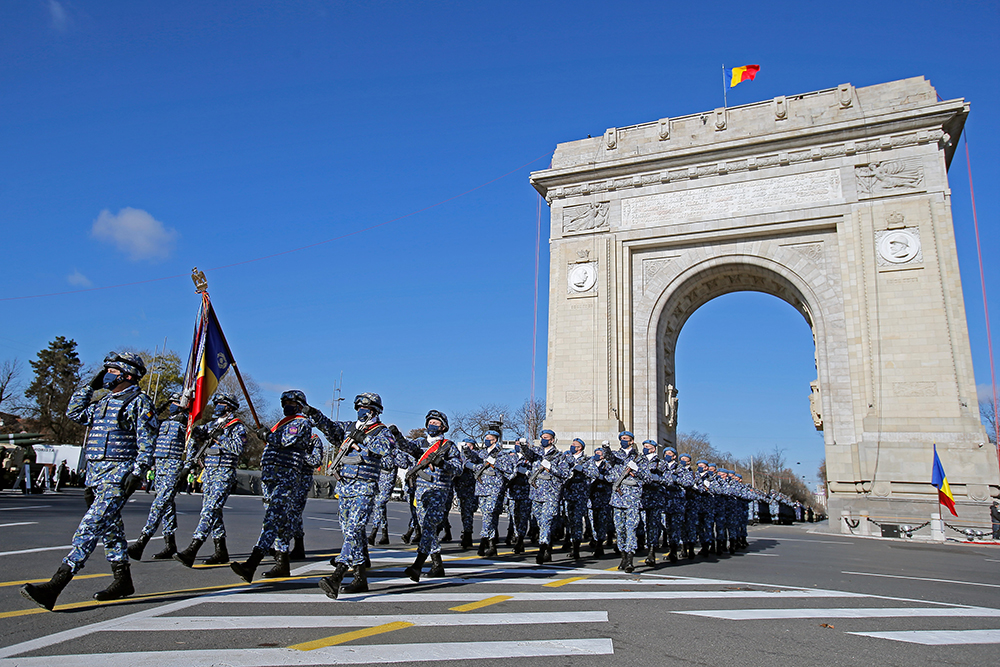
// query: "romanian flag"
[[745, 73], [208, 362], [940, 481]]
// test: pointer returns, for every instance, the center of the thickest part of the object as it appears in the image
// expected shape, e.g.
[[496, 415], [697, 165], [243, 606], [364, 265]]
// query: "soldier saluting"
[[119, 445]]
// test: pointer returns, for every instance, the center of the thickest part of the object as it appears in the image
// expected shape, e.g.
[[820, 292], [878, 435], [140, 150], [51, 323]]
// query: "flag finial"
[[200, 282]]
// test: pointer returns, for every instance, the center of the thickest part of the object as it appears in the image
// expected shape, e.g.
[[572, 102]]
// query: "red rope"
[[534, 326], [986, 309]]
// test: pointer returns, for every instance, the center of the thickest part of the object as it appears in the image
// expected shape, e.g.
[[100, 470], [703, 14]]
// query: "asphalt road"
[[794, 598]]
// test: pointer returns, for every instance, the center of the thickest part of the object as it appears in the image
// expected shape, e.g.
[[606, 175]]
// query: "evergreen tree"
[[57, 374]]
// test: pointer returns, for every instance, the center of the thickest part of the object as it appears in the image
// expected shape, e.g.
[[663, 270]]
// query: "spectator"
[[995, 518]]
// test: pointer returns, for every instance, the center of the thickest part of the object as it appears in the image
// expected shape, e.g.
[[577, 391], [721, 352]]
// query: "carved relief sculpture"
[[585, 217], [888, 177]]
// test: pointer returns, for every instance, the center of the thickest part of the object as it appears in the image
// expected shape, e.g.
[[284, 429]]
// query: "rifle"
[[536, 472], [621, 478], [479, 473], [355, 437], [204, 434], [433, 456]]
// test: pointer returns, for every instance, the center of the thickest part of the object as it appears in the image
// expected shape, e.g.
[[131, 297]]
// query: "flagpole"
[[725, 102], [244, 388]]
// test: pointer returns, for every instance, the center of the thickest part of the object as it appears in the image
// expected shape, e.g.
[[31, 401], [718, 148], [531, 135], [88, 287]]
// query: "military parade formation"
[[633, 499]]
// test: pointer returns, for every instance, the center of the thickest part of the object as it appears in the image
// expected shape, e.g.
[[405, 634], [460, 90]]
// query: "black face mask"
[[290, 409]]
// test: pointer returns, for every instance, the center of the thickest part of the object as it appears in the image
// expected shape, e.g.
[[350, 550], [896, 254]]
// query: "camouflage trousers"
[[468, 503], [652, 518], [354, 511], [432, 506], [491, 507], [691, 520], [519, 512], [103, 520], [544, 512], [277, 487], [163, 507], [601, 506], [296, 507], [706, 519], [673, 525], [626, 525], [215, 488], [380, 517]]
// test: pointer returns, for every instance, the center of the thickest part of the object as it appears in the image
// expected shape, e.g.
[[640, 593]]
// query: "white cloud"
[[78, 279], [60, 17], [136, 233]]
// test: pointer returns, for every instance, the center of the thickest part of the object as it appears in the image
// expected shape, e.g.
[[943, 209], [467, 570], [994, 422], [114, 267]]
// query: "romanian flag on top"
[[745, 73], [940, 481], [208, 362]]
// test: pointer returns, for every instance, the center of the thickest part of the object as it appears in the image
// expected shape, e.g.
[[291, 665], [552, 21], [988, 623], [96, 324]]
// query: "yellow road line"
[[39, 581], [351, 636], [611, 569], [482, 603], [563, 582]]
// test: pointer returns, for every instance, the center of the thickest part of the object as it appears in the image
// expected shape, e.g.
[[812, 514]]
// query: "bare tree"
[[10, 373], [697, 445], [988, 414], [821, 472], [527, 419], [476, 423]]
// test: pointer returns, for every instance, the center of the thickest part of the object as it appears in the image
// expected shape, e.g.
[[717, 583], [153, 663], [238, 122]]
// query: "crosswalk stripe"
[[863, 612], [213, 623], [337, 655], [18, 523], [937, 637]]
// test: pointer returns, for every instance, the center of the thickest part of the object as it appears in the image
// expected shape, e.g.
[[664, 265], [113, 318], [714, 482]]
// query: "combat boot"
[[540, 558], [732, 547], [121, 586], [627, 563], [169, 548], [673, 553], [188, 555], [368, 560], [331, 584], [567, 544], [135, 549], [407, 535], [359, 584], [447, 533], [510, 535], [221, 555], [44, 595], [466, 541], [298, 551], [413, 572], [621, 563], [437, 567], [704, 550], [246, 569], [519, 545], [575, 555], [484, 545], [651, 557], [385, 535], [281, 568], [720, 547], [614, 547], [599, 549], [491, 549], [417, 535], [371, 535]]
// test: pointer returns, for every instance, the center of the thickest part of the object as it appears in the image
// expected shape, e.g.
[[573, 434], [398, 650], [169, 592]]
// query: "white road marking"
[[319, 518], [771, 555], [212, 623], [26, 507], [65, 547], [19, 523], [797, 539], [942, 581], [937, 637], [339, 655], [864, 612]]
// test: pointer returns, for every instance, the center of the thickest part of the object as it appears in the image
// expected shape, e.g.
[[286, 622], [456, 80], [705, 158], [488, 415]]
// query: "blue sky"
[[141, 139]]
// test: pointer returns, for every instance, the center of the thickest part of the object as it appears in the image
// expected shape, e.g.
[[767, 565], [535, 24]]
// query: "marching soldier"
[[362, 445], [576, 492], [386, 482], [120, 440], [228, 436], [548, 473], [491, 468], [600, 499], [168, 455], [680, 479], [627, 474], [519, 494], [300, 496], [465, 489], [653, 499]]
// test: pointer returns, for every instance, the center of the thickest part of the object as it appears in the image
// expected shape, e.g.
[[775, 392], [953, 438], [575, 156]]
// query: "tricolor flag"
[[745, 73], [940, 481], [208, 362]]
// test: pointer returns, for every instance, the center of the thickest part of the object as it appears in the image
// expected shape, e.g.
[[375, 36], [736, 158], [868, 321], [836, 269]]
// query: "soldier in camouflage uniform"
[[576, 492], [465, 489], [300, 496], [438, 461], [168, 457], [120, 440], [627, 474], [654, 498], [600, 499], [228, 436], [368, 442], [519, 494], [705, 508], [680, 479], [490, 469], [386, 482], [549, 471], [692, 498]]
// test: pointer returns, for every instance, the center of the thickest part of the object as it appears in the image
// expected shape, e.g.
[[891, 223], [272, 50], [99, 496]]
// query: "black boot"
[[169, 548], [188, 555], [437, 567], [447, 534], [385, 535], [122, 585], [298, 551], [614, 547], [371, 535], [720, 548], [246, 569], [221, 555], [466, 541], [491, 549], [368, 560], [576, 550], [621, 563], [407, 535], [673, 553], [134, 550], [732, 547], [599, 549], [417, 535], [519, 545], [567, 544], [540, 558], [413, 572], [691, 554], [280, 569], [627, 563], [484, 545], [360, 582], [510, 535], [651, 557], [44, 595], [331, 584]]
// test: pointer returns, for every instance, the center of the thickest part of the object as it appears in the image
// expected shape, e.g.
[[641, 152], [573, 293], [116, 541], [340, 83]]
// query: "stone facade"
[[835, 201]]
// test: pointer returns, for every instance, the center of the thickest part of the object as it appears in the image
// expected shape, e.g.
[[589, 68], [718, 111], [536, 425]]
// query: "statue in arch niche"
[[671, 406]]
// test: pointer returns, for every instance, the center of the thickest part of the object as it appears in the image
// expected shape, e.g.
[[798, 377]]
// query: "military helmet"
[[223, 398], [293, 396], [128, 363], [175, 397], [440, 416], [368, 400]]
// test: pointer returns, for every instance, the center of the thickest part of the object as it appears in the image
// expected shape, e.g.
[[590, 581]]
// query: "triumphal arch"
[[835, 201]]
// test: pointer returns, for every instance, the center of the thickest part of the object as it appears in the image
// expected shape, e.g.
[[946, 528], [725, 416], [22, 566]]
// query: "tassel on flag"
[[940, 481], [745, 73]]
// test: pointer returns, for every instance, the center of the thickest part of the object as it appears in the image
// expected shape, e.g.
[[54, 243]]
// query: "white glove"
[[490, 460], [546, 464], [632, 466]]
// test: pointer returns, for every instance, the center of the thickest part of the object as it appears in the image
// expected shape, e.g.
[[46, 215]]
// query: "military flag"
[[208, 362], [940, 481]]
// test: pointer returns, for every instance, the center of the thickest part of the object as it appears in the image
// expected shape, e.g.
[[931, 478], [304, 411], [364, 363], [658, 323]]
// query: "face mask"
[[364, 414], [490, 443], [546, 443], [433, 429], [220, 410], [625, 444], [110, 380], [290, 410], [517, 449], [174, 409]]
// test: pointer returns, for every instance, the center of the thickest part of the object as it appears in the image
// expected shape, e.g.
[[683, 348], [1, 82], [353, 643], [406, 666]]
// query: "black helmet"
[[368, 400], [128, 363], [222, 398], [440, 416], [293, 396]]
